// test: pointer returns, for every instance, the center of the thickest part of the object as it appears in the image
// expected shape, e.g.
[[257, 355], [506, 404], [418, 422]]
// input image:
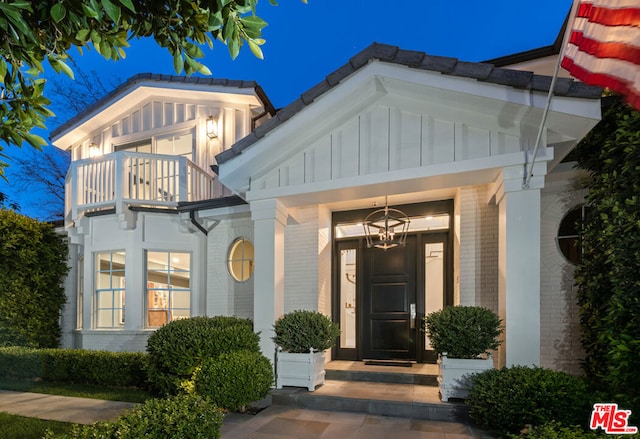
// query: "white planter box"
[[454, 375], [299, 370]]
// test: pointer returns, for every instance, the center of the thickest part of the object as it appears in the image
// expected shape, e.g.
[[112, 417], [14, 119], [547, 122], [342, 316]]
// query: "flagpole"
[[528, 170]]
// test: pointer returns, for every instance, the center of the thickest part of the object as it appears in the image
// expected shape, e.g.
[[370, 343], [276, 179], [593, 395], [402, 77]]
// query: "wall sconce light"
[[212, 127], [94, 150]]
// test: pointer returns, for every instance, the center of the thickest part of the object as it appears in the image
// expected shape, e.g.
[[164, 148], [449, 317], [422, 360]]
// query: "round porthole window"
[[240, 261], [569, 236]]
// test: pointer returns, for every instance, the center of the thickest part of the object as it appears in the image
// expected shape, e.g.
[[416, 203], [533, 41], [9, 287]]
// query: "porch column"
[[269, 218], [519, 267]]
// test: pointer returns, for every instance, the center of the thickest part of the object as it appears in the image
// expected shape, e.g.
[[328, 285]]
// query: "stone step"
[[381, 377], [384, 399]]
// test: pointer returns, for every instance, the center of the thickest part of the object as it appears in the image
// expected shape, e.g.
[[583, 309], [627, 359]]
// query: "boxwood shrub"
[[111, 369], [179, 347], [234, 379], [504, 401], [301, 330], [177, 417]]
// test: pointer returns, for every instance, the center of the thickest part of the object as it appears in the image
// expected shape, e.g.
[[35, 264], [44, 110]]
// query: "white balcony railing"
[[123, 178]]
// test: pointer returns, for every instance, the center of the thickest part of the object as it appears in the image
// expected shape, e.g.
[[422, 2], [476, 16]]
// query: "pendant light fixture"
[[386, 228]]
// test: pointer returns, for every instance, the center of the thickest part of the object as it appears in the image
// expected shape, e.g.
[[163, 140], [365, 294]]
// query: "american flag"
[[604, 46]]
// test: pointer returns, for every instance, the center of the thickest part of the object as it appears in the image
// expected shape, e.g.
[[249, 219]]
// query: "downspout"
[[192, 216]]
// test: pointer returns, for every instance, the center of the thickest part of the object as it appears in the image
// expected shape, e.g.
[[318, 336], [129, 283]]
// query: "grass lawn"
[[79, 390], [19, 427]]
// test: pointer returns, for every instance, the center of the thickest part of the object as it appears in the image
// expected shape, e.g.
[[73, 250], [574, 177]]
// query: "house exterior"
[[201, 199]]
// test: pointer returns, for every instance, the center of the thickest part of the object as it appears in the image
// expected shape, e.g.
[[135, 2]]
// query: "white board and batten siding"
[[382, 139]]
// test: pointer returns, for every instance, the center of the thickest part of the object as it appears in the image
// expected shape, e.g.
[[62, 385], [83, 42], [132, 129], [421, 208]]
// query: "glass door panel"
[[433, 280], [347, 284]]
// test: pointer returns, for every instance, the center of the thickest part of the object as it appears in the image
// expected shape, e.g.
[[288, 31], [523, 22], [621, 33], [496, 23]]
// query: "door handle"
[[412, 320]]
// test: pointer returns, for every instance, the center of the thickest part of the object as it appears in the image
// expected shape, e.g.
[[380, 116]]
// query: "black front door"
[[389, 301]]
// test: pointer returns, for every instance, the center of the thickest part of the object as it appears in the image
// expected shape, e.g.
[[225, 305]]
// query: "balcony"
[[127, 178]]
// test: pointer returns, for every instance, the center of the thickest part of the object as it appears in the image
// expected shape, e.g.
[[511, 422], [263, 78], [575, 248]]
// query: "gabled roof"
[[483, 72], [141, 78]]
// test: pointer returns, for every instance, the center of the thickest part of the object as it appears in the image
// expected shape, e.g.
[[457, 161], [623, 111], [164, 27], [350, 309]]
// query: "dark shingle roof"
[[419, 60], [133, 81]]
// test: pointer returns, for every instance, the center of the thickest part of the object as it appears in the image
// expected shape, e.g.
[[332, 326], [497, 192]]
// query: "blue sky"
[[305, 42]]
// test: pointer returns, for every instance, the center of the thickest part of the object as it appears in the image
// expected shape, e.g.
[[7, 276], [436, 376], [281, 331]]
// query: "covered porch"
[[387, 129]]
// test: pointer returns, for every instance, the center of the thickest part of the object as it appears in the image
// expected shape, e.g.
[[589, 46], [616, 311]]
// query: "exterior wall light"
[[94, 150], [212, 127]]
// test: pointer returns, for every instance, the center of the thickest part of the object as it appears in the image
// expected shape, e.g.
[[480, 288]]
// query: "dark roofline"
[[484, 72], [133, 81], [214, 203], [530, 55]]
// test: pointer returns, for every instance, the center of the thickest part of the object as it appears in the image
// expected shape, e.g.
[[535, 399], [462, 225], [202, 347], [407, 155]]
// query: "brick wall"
[[226, 296], [560, 347], [476, 252], [301, 261]]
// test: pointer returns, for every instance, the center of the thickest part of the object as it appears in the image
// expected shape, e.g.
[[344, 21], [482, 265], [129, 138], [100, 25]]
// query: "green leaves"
[[58, 12], [608, 277], [34, 31]]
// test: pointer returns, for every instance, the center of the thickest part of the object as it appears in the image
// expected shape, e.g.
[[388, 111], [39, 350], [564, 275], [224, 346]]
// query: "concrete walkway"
[[271, 423], [60, 408]]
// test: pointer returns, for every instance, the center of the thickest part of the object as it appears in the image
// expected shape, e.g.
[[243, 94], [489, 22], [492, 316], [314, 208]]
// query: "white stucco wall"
[[560, 325]]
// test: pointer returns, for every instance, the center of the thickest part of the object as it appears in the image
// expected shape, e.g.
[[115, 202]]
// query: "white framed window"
[[110, 289], [168, 287], [240, 259], [569, 234]]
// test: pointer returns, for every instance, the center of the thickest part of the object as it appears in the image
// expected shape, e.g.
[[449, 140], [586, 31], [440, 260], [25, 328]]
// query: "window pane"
[[168, 287], [110, 289], [240, 262]]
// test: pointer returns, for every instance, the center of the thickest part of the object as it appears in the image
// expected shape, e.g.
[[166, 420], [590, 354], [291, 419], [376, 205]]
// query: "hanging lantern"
[[386, 228]]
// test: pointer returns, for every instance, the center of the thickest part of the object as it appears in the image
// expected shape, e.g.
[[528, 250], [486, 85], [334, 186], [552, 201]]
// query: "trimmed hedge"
[[10, 337], [235, 379], [111, 369], [301, 330], [505, 401], [177, 417], [463, 331], [179, 347]]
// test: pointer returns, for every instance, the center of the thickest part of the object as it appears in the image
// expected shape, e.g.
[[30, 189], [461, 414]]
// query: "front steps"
[[376, 390]]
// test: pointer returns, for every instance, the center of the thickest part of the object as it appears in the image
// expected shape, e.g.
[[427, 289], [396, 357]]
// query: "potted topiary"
[[463, 336], [302, 338]]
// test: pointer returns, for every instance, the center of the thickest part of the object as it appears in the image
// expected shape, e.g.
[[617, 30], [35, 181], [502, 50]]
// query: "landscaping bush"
[[235, 379], [299, 331], [33, 268], [506, 400], [179, 347], [177, 417], [20, 363], [553, 430], [10, 337], [111, 369], [463, 331]]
